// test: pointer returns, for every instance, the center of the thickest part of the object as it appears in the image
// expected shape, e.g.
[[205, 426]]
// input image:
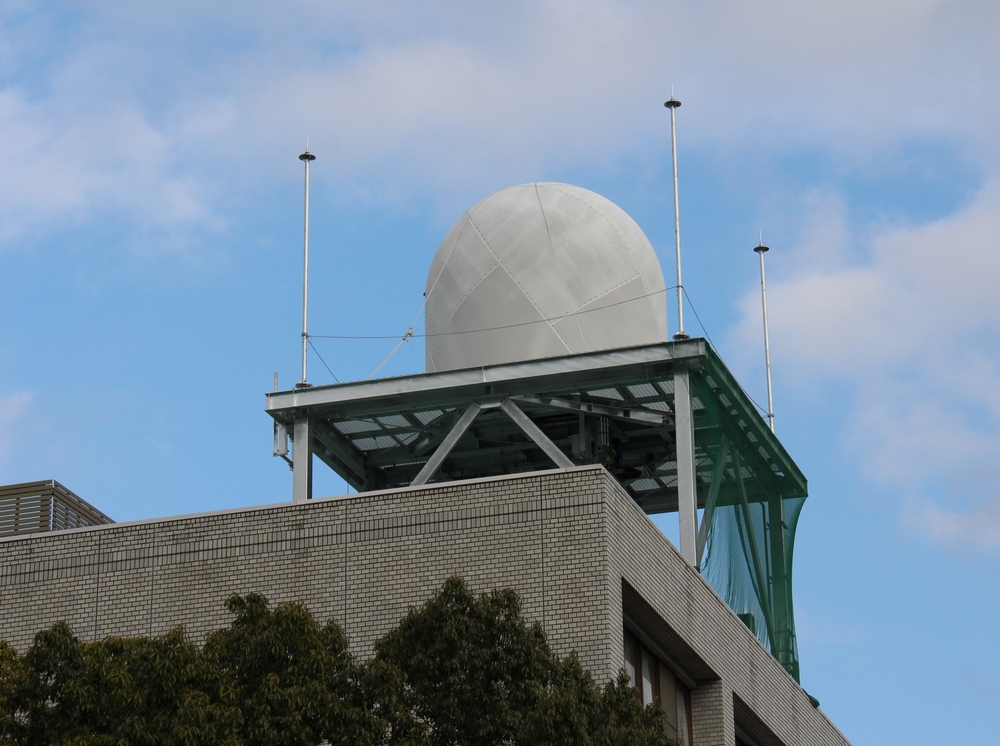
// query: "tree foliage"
[[118, 690], [292, 678], [461, 669]]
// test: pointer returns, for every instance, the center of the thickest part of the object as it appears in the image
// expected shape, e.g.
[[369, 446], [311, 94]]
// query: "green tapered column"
[[783, 646]]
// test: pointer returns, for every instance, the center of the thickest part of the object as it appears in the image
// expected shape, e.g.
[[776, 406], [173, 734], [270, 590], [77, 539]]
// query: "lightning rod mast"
[[761, 249], [306, 158], [672, 104]]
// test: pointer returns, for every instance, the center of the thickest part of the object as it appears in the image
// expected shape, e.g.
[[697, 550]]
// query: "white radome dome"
[[541, 270]]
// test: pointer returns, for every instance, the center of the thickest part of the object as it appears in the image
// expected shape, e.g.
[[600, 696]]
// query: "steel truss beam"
[[439, 455], [631, 389], [510, 409]]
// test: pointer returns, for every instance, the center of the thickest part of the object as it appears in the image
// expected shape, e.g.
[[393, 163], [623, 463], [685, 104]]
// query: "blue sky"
[[150, 249]]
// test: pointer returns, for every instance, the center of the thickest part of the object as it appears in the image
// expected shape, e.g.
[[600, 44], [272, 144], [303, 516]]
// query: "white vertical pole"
[[302, 428], [306, 158], [761, 249], [672, 104], [687, 493]]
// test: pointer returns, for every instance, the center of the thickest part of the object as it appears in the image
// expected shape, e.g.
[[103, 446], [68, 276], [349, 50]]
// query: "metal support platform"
[[381, 433]]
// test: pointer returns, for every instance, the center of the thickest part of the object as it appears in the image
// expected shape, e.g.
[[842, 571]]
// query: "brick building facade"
[[587, 562]]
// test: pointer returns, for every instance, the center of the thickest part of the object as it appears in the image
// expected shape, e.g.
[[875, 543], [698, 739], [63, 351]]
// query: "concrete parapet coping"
[[316, 501]]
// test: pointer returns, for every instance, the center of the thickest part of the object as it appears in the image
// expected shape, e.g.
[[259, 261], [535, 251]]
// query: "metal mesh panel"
[[749, 563]]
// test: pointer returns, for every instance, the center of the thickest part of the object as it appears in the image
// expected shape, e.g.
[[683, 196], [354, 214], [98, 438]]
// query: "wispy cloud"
[[964, 530], [146, 113], [63, 167], [913, 326]]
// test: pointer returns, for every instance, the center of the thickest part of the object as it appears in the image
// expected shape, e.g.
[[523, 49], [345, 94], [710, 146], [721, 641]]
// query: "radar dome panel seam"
[[471, 290], [479, 282], [625, 243], [606, 220], [444, 263], [555, 256], [527, 293], [620, 237], [562, 250], [542, 315]]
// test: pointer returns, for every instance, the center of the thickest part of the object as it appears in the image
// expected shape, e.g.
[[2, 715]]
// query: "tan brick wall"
[[361, 560], [564, 540], [643, 557]]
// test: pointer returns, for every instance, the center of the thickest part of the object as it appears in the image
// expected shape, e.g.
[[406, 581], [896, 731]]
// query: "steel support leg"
[[687, 494], [302, 460]]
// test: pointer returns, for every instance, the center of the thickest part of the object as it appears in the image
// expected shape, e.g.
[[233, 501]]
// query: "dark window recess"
[[656, 684]]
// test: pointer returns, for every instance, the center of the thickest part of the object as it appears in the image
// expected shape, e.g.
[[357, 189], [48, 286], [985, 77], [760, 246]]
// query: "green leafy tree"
[[272, 677], [575, 710], [118, 690], [469, 670], [292, 678], [10, 674], [460, 670]]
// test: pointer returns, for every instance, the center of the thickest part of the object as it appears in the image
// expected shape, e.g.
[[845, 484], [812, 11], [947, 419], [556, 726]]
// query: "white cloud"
[[62, 167], [558, 83], [145, 112], [971, 529], [914, 328], [920, 291]]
